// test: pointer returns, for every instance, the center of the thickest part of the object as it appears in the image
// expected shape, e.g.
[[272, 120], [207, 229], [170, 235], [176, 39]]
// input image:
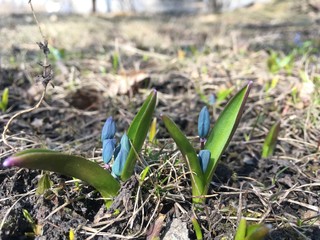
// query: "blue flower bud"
[[212, 99], [109, 129], [107, 149], [204, 158], [203, 122], [124, 143], [118, 164], [121, 154]]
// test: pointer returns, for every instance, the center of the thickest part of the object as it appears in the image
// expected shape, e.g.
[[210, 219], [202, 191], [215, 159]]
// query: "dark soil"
[[186, 58]]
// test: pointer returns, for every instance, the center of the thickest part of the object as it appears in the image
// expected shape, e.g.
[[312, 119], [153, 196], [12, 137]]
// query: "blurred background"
[[102, 6]]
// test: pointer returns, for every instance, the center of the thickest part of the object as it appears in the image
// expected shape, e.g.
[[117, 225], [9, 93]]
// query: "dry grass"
[[184, 58]]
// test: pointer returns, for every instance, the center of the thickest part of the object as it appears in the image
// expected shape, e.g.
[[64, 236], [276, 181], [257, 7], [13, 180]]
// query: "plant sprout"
[[251, 232], [203, 165], [4, 100], [91, 172], [270, 140]]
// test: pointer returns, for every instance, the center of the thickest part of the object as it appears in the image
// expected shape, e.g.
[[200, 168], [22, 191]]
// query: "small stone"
[[177, 231]]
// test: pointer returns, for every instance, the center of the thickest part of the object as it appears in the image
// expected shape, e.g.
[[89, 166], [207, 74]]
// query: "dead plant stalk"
[[45, 78]]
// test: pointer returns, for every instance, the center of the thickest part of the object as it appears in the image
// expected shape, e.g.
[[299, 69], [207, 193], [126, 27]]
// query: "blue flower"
[[107, 149], [203, 122], [297, 40], [109, 129], [121, 156], [124, 143], [212, 99], [118, 164], [204, 158]]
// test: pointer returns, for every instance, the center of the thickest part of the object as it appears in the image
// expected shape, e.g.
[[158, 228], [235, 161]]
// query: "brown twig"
[[45, 78]]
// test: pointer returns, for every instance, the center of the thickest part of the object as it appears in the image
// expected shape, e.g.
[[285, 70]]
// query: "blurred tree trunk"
[[229, 5], [108, 3], [94, 6], [214, 5]]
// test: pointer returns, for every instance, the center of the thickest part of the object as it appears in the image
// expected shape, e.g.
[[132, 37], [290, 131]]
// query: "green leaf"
[[190, 155], [271, 140], [144, 174], [224, 93], [272, 62], [257, 232], [138, 131], [69, 165], [4, 100], [224, 129], [241, 231], [44, 184], [197, 228], [153, 131], [304, 76], [285, 61], [115, 62], [27, 216]]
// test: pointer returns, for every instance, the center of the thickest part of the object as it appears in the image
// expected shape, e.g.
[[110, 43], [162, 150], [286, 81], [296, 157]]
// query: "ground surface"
[[186, 58]]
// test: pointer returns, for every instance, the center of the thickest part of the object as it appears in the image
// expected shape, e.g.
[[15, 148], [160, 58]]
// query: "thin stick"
[[37, 22], [6, 128], [47, 75]]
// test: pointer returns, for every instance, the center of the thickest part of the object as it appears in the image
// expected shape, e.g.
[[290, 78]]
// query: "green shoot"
[[115, 62], [137, 133], [37, 229], [224, 94], [153, 131], [276, 62], [216, 143], [223, 131], [241, 231], [4, 100], [143, 175], [84, 169], [251, 232], [190, 155], [270, 141], [44, 184], [197, 228], [257, 231]]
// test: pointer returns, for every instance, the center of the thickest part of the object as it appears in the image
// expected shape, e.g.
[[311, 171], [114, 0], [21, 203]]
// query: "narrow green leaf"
[[224, 129], [272, 62], [69, 165], [5, 99], [189, 154], [271, 140], [115, 62], [241, 231], [153, 130], [27, 216], [138, 131], [197, 228], [257, 232], [144, 174]]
